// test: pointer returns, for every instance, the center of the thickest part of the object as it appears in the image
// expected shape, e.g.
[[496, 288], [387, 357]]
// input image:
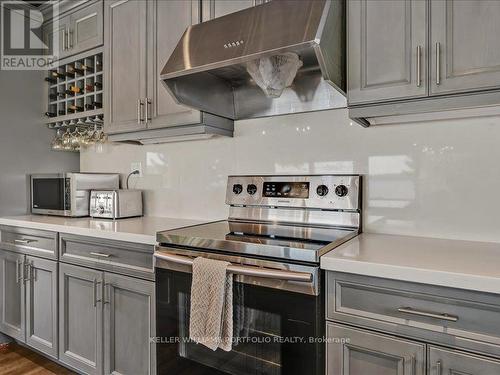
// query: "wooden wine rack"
[[61, 105]]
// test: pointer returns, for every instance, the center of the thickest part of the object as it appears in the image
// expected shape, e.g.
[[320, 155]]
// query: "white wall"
[[25, 139], [438, 179]]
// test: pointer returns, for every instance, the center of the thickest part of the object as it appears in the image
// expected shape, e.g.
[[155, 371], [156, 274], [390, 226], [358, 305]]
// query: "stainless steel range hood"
[[208, 68]]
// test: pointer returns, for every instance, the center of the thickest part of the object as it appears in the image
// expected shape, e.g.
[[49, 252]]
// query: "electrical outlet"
[[137, 166]]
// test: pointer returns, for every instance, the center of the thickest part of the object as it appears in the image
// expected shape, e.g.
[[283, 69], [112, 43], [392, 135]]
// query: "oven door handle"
[[244, 270]]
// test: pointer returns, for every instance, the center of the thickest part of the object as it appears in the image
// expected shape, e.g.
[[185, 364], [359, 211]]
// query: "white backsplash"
[[437, 179]]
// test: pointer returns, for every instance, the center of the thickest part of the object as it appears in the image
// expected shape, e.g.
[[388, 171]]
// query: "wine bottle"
[[89, 88], [75, 108], [51, 80], [69, 92], [50, 114], [98, 84], [74, 70], [89, 107], [97, 104], [87, 68], [75, 89], [55, 74]]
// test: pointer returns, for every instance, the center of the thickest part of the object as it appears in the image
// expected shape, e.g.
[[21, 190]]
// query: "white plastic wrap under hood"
[[208, 69]]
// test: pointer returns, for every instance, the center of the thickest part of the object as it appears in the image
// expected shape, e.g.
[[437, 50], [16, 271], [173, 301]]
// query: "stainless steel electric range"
[[277, 230]]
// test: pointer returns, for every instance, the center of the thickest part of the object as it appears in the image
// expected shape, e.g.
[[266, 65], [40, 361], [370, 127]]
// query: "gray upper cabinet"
[[167, 21], [125, 57], [447, 361], [57, 32], [464, 43], [217, 8], [80, 318], [387, 50], [41, 305], [12, 293], [129, 316], [86, 28], [370, 353]]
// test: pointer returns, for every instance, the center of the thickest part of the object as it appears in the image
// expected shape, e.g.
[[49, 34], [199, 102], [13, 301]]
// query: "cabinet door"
[[56, 36], [465, 53], [80, 318], [167, 21], [363, 352], [448, 361], [86, 30], [387, 50], [125, 65], [12, 291], [41, 305], [217, 8], [129, 315]]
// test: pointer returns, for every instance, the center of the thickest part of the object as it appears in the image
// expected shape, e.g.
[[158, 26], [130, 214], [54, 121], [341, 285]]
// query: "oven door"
[[278, 328], [50, 194]]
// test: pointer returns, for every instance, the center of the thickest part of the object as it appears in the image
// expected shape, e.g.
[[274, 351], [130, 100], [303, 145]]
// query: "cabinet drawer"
[[29, 241], [115, 256], [356, 351], [449, 361], [436, 313]]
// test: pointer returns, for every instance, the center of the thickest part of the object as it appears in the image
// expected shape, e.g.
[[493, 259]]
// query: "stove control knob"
[[322, 190], [341, 190], [251, 189], [237, 189]]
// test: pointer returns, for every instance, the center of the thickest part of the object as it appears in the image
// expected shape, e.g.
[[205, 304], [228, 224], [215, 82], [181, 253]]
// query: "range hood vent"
[[209, 68], [210, 126]]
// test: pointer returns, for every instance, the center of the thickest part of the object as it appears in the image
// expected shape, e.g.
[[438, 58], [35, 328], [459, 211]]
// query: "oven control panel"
[[337, 192]]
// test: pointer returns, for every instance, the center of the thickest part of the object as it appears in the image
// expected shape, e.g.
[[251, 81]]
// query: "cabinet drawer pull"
[[438, 63], [94, 292], [70, 38], [26, 271], [438, 368], [447, 317], [148, 109], [24, 242], [419, 68], [140, 111], [19, 276], [100, 255]]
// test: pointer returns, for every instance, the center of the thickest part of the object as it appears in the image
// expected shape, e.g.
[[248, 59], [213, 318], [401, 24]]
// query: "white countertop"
[[452, 263], [138, 230]]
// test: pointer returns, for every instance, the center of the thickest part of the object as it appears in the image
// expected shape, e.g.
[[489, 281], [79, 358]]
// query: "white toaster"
[[115, 204]]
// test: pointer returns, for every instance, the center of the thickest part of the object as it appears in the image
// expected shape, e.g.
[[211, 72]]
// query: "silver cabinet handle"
[[24, 242], [438, 368], [64, 41], [106, 286], [148, 109], [26, 271], [140, 111], [70, 38], [438, 63], [444, 316], [32, 276], [100, 255], [244, 270], [94, 292], [419, 67], [19, 276]]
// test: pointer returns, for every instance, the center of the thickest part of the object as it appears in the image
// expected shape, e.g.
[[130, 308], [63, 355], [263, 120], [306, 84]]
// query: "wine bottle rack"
[[75, 90]]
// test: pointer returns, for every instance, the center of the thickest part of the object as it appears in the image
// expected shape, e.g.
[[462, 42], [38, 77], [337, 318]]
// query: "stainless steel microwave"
[[67, 194]]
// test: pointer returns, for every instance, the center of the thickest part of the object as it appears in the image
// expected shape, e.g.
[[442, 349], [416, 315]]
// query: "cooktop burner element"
[[293, 218]]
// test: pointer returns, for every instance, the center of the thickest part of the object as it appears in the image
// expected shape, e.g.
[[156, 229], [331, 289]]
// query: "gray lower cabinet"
[[129, 325], [447, 361], [41, 305], [80, 318], [106, 322], [464, 42], [387, 50], [362, 352], [125, 64], [12, 295]]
